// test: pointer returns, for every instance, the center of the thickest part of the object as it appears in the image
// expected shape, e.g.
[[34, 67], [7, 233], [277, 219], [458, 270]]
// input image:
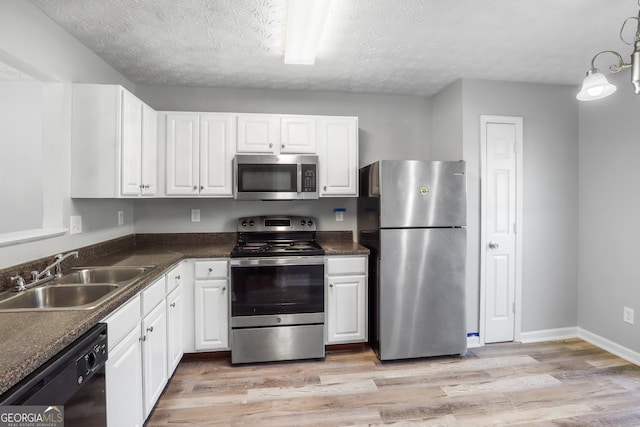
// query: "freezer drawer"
[[421, 301]]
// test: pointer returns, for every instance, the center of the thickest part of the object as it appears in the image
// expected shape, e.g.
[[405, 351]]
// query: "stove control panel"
[[276, 223]]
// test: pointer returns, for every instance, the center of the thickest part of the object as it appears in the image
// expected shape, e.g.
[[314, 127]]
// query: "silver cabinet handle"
[[270, 145], [324, 188], [195, 187], [282, 145], [173, 304], [331, 285], [150, 329], [178, 277], [143, 338], [493, 245], [202, 187], [224, 288], [210, 270]]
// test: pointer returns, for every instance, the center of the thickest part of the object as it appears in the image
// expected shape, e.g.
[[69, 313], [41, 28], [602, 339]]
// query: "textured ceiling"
[[374, 46]]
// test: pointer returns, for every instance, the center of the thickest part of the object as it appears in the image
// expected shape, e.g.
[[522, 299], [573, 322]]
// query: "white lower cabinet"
[[124, 380], [211, 299], [174, 329], [346, 312], [145, 345], [154, 356]]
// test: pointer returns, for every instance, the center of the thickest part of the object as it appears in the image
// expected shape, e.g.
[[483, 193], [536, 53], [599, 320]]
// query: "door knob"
[[493, 245]]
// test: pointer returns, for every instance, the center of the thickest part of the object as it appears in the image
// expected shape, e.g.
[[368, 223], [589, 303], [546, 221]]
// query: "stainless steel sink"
[[82, 289], [103, 275], [59, 297]]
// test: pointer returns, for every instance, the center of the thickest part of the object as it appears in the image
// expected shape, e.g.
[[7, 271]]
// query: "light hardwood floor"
[[559, 383]]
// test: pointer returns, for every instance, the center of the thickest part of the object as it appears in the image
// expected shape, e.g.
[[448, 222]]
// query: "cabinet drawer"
[[346, 265], [123, 320], [152, 295], [211, 269], [173, 278]]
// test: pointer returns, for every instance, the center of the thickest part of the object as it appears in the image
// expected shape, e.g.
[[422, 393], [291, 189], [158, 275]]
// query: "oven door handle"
[[276, 261]]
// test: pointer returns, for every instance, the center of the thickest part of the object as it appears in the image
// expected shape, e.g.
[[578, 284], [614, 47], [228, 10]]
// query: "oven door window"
[[265, 290], [256, 178]]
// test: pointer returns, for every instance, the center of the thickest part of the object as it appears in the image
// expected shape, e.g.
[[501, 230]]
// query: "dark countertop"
[[29, 339]]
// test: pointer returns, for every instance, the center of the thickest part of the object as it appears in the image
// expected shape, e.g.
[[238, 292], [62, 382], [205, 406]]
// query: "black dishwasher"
[[74, 378]]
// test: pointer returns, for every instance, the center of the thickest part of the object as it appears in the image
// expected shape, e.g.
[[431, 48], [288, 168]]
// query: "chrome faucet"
[[55, 264], [45, 275]]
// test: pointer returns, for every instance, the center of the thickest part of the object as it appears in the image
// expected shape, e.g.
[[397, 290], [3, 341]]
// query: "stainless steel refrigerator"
[[412, 216]]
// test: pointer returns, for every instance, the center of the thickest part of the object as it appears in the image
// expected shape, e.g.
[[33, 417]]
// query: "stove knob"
[[309, 223], [244, 223], [303, 222], [251, 223]]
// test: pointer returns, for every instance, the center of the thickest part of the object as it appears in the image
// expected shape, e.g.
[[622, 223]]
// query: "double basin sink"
[[81, 289]]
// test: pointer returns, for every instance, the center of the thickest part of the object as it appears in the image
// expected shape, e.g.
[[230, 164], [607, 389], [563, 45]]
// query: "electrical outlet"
[[75, 224], [628, 315], [195, 215], [120, 217]]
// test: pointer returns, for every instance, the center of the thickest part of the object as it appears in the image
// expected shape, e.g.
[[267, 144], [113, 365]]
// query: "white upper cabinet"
[[258, 133], [217, 134], [338, 156], [113, 143], [276, 134], [199, 154], [298, 135]]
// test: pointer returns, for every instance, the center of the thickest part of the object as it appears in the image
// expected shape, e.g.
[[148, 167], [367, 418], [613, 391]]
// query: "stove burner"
[[277, 236]]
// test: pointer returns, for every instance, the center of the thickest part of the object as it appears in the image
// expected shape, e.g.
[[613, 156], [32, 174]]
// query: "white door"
[[258, 133], [149, 174], [298, 135], [217, 142], [338, 156], [346, 309], [502, 145], [174, 329], [211, 314], [154, 356], [131, 144], [124, 382], [183, 154]]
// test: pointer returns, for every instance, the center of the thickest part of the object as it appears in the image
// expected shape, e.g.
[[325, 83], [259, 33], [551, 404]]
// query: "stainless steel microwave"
[[281, 177]]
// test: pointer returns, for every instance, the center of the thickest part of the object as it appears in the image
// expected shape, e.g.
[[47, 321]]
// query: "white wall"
[[550, 234], [390, 127], [447, 129], [609, 211], [28, 37]]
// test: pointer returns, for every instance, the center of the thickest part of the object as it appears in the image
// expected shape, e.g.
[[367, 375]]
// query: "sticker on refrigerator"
[[424, 189]]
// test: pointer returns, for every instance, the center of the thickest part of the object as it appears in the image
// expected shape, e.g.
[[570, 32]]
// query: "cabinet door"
[[258, 133], [174, 329], [298, 135], [346, 314], [154, 356], [183, 153], [149, 161], [217, 142], [124, 382], [338, 156], [211, 315], [131, 144]]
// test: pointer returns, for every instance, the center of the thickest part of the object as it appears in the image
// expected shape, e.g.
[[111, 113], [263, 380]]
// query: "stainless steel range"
[[277, 290]]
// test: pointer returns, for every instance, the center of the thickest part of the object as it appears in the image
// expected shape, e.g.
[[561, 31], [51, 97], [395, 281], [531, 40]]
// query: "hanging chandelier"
[[595, 84]]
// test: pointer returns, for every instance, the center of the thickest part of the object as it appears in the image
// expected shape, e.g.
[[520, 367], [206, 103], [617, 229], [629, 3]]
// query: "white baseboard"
[[610, 346], [549, 335]]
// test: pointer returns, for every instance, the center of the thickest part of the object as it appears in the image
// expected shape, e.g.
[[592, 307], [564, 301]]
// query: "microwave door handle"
[[299, 180]]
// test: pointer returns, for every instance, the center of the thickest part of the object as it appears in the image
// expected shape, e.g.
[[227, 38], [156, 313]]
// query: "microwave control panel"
[[309, 178]]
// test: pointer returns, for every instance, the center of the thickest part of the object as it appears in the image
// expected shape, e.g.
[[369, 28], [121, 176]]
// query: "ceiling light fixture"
[[596, 86], [305, 21]]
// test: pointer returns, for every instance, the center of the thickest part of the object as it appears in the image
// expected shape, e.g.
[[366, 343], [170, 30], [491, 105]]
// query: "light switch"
[[75, 224]]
